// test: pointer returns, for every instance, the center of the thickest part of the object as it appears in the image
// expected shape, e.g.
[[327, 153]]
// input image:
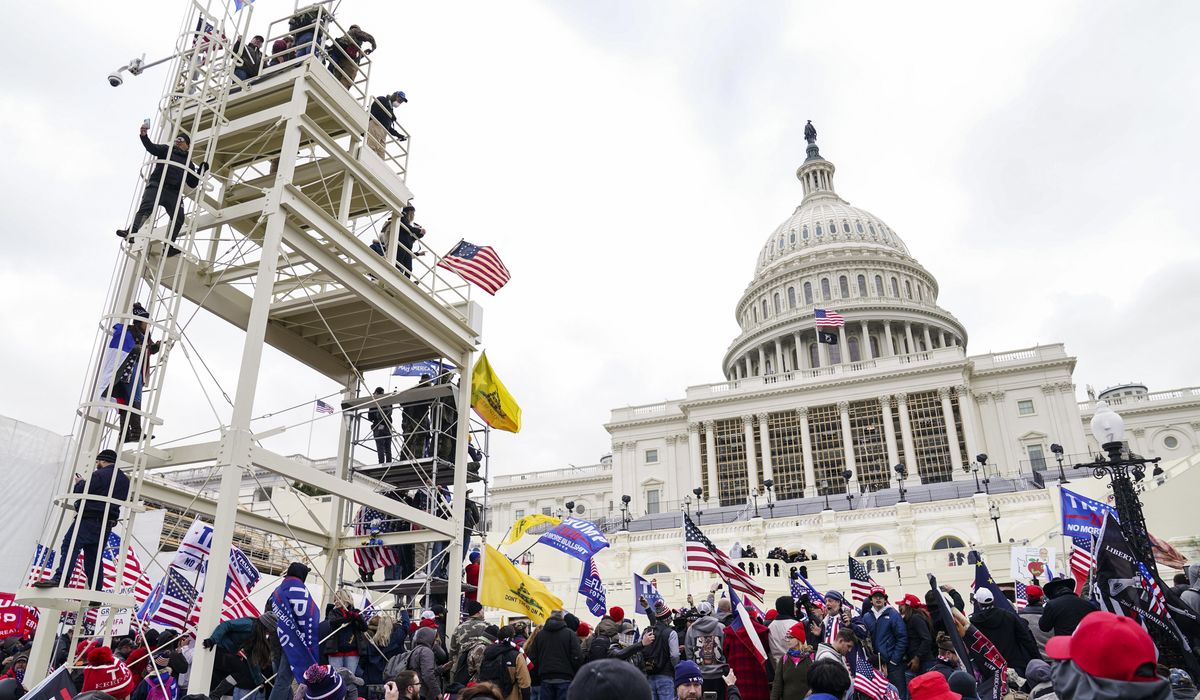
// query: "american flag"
[[368, 608], [1158, 603], [133, 576], [178, 597], [477, 264], [1082, 560], [832, 627], [801, 585], [236, 604], [703, 555], [1020, 596], [373, 557], [860, 581], [42, 567], [323, 407], [742, 620], [828, 319], [78, 575], [868, 682]]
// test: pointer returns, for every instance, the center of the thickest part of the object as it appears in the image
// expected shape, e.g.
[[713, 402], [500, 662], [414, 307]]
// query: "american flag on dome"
[[323, 407], [1020, 596], [860, 581], [1082, 560], [869, 682], [478, 265], [828, 319], [375, 556], [702, 555]]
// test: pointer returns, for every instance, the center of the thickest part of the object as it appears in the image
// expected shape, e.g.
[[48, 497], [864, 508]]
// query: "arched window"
[[791, 297], [844, 287], [755, 310], [845, 226], [879, 286], [921, 292], [818, 230], [825, 289], [656, 568], [781, 242], [776, 300], [804, 233], [874, 346], [833, 228], [908, 289], [814, 355], [870, 550], [854, 354], [764, 307], [808, 293], [949, 542], [895, 290], [862, 284], [872, 227], [835, 354], [859, 225]]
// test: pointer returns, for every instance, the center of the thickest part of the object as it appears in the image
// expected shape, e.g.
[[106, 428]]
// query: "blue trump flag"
[[1082, 516], [592, 589], [296, 624], [578, 538], [415, 369], [642, 587], [983, 579]]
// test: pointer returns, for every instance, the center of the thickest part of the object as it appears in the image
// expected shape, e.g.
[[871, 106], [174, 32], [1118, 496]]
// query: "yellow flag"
[[506, 587], [523, 524], [491, 400]]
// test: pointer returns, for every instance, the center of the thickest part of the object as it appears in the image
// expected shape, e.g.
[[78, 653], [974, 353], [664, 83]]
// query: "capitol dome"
[[834, 257]]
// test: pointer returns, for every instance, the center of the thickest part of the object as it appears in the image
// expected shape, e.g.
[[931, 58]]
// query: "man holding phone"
[[689, 684], [164, 188]]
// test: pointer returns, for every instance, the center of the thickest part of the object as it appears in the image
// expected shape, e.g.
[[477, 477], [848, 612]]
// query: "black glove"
[[209, 643], [203, 166], [401, 137]]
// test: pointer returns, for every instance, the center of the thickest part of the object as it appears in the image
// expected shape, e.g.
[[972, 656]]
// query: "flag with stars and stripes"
[[801, 585], [478, 265], [702, 555], [132, 578], [42, 567], [828, 319], [860, 581], [175, 604], [1082, 560], [324, 408], [592, 589], [1156, 605], [1020, 596], [368, 608], [870, 682], [368, 523]]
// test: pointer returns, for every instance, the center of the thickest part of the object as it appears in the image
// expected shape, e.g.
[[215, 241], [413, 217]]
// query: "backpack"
[[495, 670], [396, 664], [656, 660]]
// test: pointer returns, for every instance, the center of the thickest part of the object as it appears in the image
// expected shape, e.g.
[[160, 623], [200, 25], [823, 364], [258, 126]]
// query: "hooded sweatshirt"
[[777, 631], [555, 651], [704, 644], [603, 638], [1070, 681], [1191, 597]]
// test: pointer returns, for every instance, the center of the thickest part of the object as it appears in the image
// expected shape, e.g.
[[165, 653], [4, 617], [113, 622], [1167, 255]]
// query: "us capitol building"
[[892, 443]]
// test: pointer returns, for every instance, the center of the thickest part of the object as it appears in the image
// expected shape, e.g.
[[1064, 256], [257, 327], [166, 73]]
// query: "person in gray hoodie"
[[704, 644], [1109, 657], [1191, 596], [423, 661]]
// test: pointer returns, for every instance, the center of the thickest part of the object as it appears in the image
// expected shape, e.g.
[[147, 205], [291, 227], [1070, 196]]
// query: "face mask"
[[396, 105]]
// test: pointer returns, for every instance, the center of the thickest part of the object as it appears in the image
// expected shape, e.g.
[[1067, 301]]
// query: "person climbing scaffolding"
[[164, 188]]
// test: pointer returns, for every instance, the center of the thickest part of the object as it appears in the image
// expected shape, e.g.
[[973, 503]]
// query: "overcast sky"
[[628, 159]]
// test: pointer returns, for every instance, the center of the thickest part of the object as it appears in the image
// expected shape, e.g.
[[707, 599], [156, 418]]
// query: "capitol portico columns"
[[751, 460], [951, 431], [889, 349], [864, 345], [779, 368], [765, 438], [694, 454], [966, 407], [889, 434], [762, 361], [710, 443], [843, 346], [801, 355], [848, 446], [910, 453], [908, 336], [810, 474], [928, 340]]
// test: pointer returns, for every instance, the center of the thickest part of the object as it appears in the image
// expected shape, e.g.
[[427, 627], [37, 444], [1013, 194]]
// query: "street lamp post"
[[994, 514], [699, 495], [980, 460], [770, 484], [625, 511], [825, 490], [901, 474], [754, 495], [847, 475], [687, 503], [1057, 449]]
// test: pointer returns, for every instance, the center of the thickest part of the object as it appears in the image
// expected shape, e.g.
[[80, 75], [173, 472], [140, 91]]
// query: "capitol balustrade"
[[1186, 394], [881, 365]]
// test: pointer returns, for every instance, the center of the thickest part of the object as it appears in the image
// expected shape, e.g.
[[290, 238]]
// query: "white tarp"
[[31, 459]]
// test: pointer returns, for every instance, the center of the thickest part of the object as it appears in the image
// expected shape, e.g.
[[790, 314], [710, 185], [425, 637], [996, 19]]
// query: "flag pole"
[[311, 420]]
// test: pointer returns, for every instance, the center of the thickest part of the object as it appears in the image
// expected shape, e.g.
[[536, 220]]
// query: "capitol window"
[[1025, 407], [879, 286], [546, 510], [872, 227], [792, 238], [949, 542], [808, 293], [862, 285], [859, 225], [825, 289], [818, 230], [652, 501], [845, 226], [804, 233], [781, 242], [1170, 442], [518, 514], [656, 568], [870, 550], [651, 456], [791, 297], [844, 287], [764, 307], [908, 289], [895, 288], [833, 228]]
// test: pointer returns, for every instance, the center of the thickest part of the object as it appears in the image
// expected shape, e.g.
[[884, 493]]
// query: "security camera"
[[115, 79]]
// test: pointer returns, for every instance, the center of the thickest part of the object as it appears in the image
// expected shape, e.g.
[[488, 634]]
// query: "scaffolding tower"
[[272, 246]]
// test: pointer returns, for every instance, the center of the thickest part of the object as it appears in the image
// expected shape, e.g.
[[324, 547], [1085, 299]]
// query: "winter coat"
[[423, 660], [1062, 614], [382, 112], [1032, 615], [602, 639], [1070, 681], [1043, 691], [704, 643], [1009, 633], [888, 633], [555, 651], [180, 165], [777, 634], [1191, 597], [920, 638], [518, 670], [349, 631], [751, 676], [791, 679], [828, 653], [470, 633], [374, 658]]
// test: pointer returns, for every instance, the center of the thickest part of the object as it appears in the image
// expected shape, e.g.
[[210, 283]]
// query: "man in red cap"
[[931, 686], [1032, 614], [889, 635], [1108, 656], [919, 655]]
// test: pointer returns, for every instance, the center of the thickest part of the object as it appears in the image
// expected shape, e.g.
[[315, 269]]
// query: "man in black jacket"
[[383, 118], [556, 654], [380, 418], [1008, 632], [1064, 610], [166, 183], [251, 55]]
